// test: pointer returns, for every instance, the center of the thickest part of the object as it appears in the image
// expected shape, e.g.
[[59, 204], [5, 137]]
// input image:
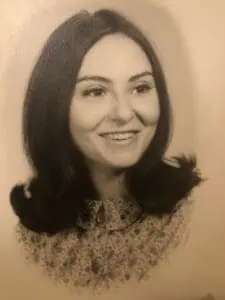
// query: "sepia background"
[[189, 38]]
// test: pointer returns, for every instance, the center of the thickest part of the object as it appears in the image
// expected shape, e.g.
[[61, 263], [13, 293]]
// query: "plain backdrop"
[[189, 37]]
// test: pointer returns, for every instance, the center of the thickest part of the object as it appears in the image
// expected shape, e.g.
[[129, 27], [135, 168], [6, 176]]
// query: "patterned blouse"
[[117, 246]]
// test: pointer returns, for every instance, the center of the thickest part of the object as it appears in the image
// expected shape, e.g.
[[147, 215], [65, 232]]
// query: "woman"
[[103, 205]]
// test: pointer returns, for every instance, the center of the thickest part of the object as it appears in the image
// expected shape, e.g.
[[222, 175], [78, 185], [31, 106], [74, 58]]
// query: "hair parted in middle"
[[62, 187]]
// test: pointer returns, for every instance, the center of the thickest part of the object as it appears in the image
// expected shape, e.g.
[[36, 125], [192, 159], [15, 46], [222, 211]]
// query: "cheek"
[[85, 116], [149, 110]]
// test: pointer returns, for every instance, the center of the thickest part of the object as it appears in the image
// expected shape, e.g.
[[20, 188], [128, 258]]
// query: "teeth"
[[120, 136]]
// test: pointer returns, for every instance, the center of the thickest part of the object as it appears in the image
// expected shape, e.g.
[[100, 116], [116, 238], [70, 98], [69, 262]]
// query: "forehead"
[[115, 56]]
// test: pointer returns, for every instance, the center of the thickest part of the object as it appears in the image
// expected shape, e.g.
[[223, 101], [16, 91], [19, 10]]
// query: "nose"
[[122, 109]]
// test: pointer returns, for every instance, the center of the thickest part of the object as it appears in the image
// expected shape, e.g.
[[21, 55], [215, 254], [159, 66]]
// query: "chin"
[[125, 163]]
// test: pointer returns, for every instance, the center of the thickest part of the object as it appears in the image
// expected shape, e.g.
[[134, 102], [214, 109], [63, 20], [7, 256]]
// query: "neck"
[[107, 181]]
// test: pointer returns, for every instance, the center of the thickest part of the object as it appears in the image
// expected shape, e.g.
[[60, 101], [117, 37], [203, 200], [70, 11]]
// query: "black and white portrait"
[[109, 196]]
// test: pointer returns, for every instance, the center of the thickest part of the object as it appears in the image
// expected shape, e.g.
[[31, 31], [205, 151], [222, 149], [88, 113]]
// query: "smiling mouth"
[[120, 136]]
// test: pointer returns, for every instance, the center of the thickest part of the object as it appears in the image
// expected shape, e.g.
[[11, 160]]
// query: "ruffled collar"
[[113, 213]]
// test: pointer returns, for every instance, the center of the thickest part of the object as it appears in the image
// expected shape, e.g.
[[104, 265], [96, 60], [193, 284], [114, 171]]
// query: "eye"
[[94, 92], [142, 88]]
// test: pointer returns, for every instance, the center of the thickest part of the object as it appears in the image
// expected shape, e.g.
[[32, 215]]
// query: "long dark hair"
[[61, 187]]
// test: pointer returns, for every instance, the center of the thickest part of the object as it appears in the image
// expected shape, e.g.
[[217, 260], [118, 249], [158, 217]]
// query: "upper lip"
[[121, 131]]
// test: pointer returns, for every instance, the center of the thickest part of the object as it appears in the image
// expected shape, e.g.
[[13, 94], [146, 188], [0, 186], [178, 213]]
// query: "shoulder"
[[169, 231], [40, 247]]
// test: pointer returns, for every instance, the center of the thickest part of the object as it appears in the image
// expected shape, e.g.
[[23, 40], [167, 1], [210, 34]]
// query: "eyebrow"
[[107, 80]]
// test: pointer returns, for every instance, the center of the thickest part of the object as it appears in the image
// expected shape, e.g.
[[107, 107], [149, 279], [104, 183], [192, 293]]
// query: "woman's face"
[[115, 108]]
